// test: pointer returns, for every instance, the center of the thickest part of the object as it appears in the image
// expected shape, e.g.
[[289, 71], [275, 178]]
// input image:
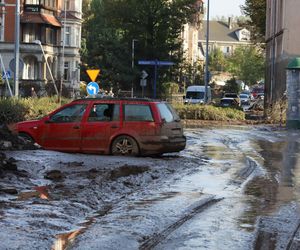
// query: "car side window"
[[104, 112], [71, 113], [137, 112]]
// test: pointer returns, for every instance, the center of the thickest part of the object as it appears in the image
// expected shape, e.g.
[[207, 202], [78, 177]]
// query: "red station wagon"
[[109, 126]]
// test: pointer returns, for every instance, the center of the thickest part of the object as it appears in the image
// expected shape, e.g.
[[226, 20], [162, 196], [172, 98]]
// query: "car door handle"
[[76, 127], [114, 126]]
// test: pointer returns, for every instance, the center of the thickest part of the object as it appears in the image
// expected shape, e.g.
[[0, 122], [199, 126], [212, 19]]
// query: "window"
[[104, 112], [68, 36], [167, 113], [35, 2], [30, 68], [72, 113], [137, 112], [66, 71]]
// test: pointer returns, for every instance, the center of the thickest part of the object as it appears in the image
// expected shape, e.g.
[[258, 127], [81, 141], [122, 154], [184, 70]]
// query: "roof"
[[40, 18], [219, 31], [68, 15]]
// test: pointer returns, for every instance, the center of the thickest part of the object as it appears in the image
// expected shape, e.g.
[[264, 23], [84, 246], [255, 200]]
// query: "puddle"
[[127, 170], [64, 240]]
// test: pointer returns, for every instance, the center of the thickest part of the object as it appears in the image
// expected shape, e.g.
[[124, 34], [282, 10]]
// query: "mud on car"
[[108, 126]]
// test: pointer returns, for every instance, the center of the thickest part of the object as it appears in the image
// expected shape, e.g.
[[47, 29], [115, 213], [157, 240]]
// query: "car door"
[[139, 120], [62, 131], [102, 121]]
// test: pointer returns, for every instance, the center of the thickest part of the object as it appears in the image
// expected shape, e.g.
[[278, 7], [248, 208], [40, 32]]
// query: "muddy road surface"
[[231, 188]]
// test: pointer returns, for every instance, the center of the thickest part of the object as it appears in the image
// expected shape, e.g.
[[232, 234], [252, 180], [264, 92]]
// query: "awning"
[[40, 18]]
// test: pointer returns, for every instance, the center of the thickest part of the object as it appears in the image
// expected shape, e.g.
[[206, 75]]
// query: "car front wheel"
[[125, 145]]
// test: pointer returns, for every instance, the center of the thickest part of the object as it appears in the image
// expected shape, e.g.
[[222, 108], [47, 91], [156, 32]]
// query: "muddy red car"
[[108, 126]]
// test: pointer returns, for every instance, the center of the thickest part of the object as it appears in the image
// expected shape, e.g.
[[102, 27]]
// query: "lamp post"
[[62, 55], [206, 53], [17, 47], [38, 42], [132, 62]]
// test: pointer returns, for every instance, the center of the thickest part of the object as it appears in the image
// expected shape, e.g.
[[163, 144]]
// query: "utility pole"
[[63, 55], [2, 20], [17, 47], [206, 80]]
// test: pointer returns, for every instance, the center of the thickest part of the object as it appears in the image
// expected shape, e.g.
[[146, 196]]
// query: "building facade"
[[282, 44], [190, 35], [226, 36], [48, 35]]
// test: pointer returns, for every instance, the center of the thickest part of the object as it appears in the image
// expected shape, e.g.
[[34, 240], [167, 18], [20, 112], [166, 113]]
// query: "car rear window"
[[137, 112], [166, 112]]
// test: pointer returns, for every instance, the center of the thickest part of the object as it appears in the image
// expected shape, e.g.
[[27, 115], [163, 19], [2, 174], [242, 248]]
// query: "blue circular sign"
[[92, 88]]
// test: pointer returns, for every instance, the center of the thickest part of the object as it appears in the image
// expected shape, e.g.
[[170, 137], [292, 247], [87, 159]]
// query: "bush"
[[208, 112], [15, 110]]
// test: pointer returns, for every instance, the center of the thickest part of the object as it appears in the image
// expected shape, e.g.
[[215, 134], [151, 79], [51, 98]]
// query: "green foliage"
[[208, 112], [247, 64], [256, 10], [169, 88], [231, 86], [217, 60], [15, 110], [113, 24]]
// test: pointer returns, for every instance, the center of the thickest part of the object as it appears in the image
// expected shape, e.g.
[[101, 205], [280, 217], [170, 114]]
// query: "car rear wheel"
[[125, 145]]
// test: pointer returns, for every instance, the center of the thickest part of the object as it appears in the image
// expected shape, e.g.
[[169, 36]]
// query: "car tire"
[[125, 145], [26, 137]]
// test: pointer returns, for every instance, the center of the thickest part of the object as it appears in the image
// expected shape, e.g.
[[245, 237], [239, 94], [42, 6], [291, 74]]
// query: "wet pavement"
[[231, 188]]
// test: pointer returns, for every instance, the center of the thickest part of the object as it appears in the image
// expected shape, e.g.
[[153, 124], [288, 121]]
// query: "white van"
[[195, 94]]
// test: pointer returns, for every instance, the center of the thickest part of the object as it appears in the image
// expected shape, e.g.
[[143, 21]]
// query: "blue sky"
[[224, 7]]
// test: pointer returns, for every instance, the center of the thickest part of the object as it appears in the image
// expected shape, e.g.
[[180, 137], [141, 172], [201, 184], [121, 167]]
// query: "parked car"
[[229, 102], [245, 99], [234, 96], [109, 126]]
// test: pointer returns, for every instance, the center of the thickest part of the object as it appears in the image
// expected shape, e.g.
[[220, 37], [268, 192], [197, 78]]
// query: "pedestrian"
[[33, 93]]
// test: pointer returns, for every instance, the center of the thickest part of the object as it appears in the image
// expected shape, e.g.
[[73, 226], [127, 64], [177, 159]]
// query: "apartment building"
[[282, 44], [46, 27], [190, 33]]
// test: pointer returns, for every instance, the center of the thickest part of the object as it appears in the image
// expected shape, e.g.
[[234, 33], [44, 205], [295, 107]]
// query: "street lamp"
[[38, 42], [206, 53], [17, 47], [132, 62]]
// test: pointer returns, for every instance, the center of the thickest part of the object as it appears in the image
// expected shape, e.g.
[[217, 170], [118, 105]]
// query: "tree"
[[156, 24], [247, 64], [256, 11], [217, 60]]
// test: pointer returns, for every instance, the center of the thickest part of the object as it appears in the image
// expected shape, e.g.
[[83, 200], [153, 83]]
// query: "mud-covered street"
[[231, 188]]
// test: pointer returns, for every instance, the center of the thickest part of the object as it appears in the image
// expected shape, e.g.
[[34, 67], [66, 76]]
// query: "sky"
[[224, 7]]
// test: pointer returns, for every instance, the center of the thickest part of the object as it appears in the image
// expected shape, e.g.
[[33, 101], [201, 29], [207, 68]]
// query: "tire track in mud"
[[158, 238]]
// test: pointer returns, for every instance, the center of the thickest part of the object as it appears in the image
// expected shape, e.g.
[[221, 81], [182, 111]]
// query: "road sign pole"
[[6, 78], [155, 79]]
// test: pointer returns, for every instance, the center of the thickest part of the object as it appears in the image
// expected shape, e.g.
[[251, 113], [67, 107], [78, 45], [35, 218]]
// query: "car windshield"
[[243, 96], [194, 95]]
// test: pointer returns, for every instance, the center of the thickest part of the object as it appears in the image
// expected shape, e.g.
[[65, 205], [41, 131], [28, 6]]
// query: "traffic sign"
[[92, 88], [144, 74], [6, 74], [93, 73], [156, 62], [143, 82]]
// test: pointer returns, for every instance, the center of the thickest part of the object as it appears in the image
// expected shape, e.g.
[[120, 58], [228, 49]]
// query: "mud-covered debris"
[[9, 141], [8, 190], [127, 170], [7, 165], [73, 164], [54, 175]]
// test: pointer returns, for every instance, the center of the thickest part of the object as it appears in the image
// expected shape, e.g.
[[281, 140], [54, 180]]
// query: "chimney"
[[230, 23]]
